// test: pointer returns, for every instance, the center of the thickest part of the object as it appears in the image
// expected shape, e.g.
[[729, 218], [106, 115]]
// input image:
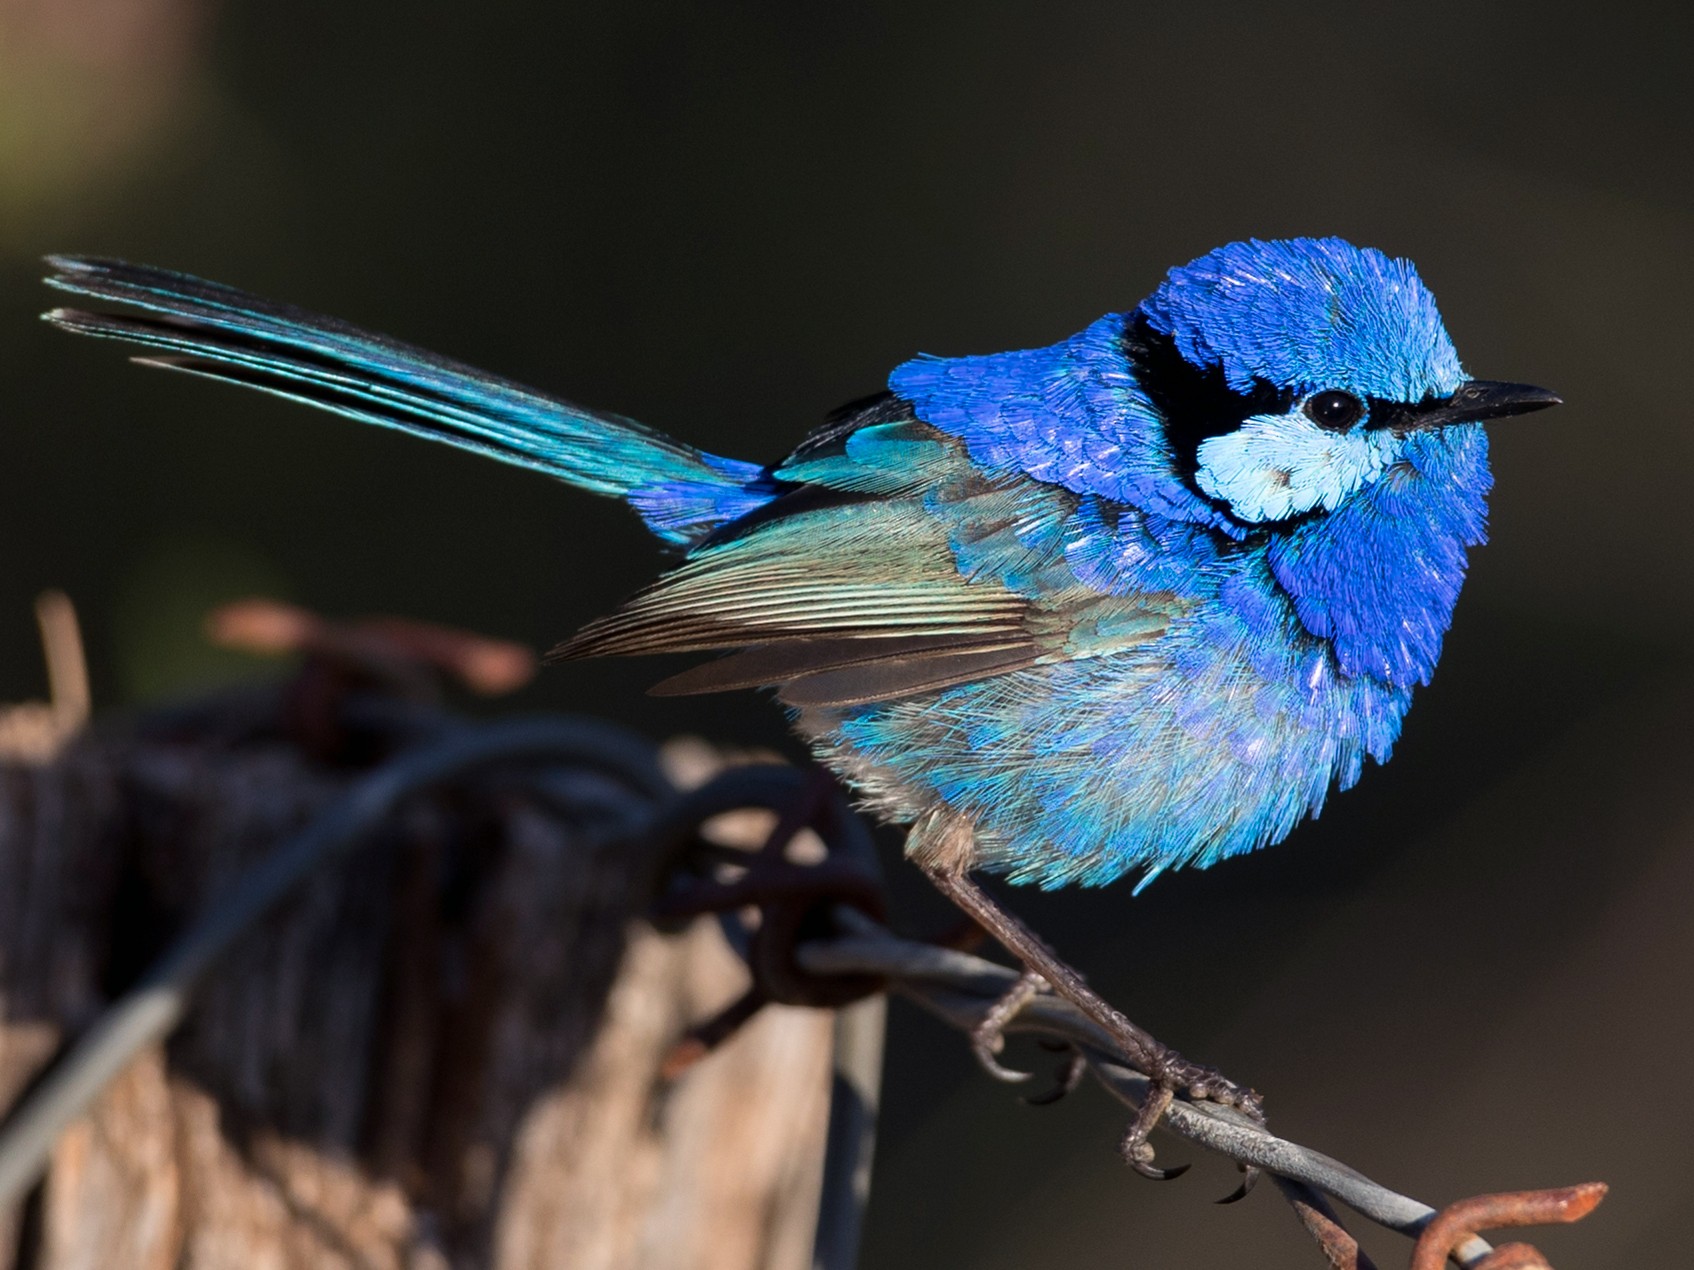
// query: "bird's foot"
[[1169, 1074], [1200, 1083], [1197, 1083], [988, 1037], [1137, 1152]]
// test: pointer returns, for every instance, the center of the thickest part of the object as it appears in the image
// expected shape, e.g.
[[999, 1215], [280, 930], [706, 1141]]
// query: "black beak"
[[1472, 402]]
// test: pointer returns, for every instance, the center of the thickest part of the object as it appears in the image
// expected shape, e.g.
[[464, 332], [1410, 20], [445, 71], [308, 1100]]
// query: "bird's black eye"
[[1335, 410]]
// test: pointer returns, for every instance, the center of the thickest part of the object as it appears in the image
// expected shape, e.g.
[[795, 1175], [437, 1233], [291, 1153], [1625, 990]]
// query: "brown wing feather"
[[902, 676], [854, 604], [794, 659], [884, 571]]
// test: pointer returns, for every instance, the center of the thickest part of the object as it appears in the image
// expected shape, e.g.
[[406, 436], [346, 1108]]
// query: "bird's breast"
[[1287, 661], [1211, 741]]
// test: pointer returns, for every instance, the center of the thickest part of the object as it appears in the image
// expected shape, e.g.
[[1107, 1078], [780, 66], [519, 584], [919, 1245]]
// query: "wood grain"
[[445, 1053]]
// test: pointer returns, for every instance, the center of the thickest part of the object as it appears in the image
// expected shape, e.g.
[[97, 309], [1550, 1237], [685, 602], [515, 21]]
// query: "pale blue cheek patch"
[[1276, 466]]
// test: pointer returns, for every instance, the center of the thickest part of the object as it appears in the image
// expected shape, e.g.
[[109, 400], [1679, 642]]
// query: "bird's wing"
[[889, 567], [860, 601], [878, 561], [1111, 412]]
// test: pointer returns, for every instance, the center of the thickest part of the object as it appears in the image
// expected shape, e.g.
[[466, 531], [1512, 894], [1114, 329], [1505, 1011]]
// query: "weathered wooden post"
[[446, 1051]]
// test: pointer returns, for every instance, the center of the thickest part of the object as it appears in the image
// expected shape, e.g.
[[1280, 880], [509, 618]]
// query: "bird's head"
[[1292, 374]]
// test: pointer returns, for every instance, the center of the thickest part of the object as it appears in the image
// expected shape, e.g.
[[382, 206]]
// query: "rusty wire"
[[818, 923], [1457, 1224], [796, 901], [960, 988], [818, 939], [1334, 1240]]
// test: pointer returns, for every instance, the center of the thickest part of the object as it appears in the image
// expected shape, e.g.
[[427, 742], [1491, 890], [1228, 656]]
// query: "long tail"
[[218, 332]]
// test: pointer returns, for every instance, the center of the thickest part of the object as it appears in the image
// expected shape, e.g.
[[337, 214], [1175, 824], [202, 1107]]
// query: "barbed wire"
[[819, 940], [961, 989]]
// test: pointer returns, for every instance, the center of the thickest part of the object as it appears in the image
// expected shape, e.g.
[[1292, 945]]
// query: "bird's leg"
[[941, 847], [1145, 1053]]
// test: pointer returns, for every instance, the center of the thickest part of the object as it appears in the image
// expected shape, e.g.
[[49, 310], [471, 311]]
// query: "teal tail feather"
[[207, 329]]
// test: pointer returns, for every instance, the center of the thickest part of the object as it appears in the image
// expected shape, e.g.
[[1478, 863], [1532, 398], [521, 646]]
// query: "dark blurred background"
[[1472, 974]]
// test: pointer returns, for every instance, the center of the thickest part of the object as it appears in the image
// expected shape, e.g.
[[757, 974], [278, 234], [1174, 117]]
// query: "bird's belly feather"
[[1285, 664], [1213, 740]]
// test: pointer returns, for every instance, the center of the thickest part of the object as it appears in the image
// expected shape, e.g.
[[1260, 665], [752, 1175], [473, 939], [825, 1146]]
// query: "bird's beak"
[[1472, 402]]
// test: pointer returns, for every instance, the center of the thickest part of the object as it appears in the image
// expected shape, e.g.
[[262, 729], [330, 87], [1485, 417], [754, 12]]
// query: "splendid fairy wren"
[[1133, 601]]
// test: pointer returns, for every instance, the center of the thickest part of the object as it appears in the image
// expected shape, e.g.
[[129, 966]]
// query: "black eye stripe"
[[1195, 402], [1334, 409]]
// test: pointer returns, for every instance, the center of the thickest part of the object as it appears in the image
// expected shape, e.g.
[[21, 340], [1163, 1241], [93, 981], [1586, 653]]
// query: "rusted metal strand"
[[1454, 1226], [794, 901], [959, 988], [796, 953], [1338, 1246]]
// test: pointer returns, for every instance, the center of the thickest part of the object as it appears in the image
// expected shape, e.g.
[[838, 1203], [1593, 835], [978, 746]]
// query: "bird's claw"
[[1154, 1173], [1069, 1076], [984, 1050], [1179, 1076], [1199, 1084], [1250, 1175], [1136, 1150], [988, 1037]]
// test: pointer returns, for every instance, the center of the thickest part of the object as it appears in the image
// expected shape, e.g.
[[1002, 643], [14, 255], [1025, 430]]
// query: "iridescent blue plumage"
[[1130, 602]]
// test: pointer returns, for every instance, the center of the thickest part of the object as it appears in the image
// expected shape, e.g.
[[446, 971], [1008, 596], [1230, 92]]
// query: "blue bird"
[[1131, 602]]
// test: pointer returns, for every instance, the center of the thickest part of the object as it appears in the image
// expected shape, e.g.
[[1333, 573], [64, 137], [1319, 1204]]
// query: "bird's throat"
[[1378, 578]]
